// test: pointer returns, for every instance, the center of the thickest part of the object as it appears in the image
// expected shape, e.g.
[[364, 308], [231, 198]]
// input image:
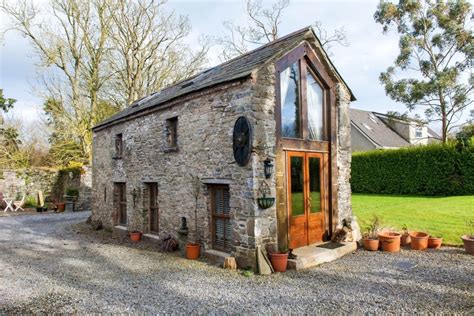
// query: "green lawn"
[[444, 216]]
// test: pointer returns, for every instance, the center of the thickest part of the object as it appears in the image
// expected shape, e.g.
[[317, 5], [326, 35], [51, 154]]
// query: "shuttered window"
[[221, 224]]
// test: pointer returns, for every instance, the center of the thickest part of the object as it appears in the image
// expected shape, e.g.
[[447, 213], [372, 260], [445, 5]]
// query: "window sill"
[[171, 150]]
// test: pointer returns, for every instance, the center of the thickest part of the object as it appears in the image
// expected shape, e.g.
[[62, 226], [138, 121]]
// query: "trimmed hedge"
[[420, 170]]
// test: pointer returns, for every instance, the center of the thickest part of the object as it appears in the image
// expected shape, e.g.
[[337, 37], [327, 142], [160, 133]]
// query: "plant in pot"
[[279, 260], [405, 238], [370, 238], [435, 241], [135, 235], [468, 239], [193, 248], [419, 240]]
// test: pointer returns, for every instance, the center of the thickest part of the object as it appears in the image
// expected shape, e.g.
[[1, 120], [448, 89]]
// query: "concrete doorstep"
[[316, 254]]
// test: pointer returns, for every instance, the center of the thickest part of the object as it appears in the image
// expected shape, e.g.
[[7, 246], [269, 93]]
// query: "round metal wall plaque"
[[242, 140]]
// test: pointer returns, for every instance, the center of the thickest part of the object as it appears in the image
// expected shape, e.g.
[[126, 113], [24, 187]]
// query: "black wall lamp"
[[268, 168]]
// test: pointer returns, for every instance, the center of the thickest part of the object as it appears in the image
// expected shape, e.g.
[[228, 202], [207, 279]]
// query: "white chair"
[[19, 204], [9, 204]]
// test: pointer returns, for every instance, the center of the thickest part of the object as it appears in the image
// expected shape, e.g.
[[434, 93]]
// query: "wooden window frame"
[[118, 144], [307, 62], [172, 134], [322, 71], [212, 190]]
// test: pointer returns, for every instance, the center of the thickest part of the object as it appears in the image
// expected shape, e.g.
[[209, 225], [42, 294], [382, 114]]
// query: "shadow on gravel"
[[96, 272]]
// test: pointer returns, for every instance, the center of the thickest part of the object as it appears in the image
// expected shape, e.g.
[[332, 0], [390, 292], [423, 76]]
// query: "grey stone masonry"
[[205, 120]]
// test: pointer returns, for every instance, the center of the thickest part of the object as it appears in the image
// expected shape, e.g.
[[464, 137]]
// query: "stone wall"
[[52, 182], [205, 126], [343, 154]]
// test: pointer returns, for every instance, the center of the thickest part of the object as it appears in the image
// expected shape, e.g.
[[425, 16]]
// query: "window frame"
[[308, 62], [172, 134], [418, 129], [227, 219], [118, 146]]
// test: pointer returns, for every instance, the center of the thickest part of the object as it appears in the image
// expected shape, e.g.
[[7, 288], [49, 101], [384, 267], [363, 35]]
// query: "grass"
[[443, 216]]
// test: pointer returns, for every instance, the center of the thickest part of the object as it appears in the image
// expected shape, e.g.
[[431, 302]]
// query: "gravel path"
[[54, 263]]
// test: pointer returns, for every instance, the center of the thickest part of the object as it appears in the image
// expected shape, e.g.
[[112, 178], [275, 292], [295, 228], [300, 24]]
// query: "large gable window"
[[302, 100], [290, 104], [315, 99]]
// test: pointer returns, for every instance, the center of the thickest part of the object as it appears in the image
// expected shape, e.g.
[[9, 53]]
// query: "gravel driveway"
[[52, 263]]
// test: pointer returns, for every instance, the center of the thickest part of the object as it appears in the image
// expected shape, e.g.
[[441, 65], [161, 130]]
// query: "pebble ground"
[[55, 263]]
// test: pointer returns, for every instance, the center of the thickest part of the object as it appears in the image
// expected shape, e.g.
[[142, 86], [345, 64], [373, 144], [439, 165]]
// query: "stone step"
[[316, 254]]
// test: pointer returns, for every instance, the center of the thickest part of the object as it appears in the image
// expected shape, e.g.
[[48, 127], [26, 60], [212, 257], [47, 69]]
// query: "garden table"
[[9, 204]]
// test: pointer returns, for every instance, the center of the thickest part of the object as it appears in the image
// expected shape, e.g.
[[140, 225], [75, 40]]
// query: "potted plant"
[[60, 207], [390, 241], [279, 260], [468, 239], [405, 238], [135, 235], [435, 242], [419, 240], [370, 238], [193, 248]]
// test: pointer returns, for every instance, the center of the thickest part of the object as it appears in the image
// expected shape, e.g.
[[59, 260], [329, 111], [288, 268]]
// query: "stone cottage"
[[257, 149]]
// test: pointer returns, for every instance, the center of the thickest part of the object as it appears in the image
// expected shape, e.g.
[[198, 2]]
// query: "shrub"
[[421, 170]]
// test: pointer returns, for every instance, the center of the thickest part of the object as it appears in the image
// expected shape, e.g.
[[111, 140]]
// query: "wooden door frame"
[[284, 144], [149, 185], [323, 175]]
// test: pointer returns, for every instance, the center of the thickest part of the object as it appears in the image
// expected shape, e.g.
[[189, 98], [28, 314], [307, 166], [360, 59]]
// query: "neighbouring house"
[[272, 123], [372, 130]]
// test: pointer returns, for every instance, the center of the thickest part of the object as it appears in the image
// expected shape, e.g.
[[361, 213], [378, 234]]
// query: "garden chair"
[[6, 202], [18, 204]]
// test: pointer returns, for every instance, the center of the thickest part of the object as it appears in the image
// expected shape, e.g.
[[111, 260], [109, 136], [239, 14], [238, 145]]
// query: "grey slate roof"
[[234, 69], [374, 128]]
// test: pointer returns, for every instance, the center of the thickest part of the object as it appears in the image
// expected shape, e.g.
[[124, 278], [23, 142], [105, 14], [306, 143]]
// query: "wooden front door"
[[307, 198]]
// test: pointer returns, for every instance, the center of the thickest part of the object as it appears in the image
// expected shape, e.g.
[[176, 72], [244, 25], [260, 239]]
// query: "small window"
[[118, 146], [172, 132], [419, 132]]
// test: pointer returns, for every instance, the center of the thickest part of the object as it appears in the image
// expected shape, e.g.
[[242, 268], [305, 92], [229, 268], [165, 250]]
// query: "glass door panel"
[[314, 185], [297, 186]]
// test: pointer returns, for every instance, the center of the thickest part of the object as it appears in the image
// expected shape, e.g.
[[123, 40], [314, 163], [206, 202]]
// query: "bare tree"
[[97, 56], [263, 27], [149, 51]]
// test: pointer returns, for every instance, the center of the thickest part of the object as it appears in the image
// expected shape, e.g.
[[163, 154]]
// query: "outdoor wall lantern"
[[268, 168]]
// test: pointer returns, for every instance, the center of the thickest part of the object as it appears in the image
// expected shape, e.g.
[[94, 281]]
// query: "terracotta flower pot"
[[61, 207], [468, 244], [435, 242], [193, 251], [371, 244], [390, 241], [135, 236], [279, 261], [405, 239], [419, 240]]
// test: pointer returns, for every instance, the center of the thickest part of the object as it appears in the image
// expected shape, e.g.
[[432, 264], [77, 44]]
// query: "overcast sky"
[[369, 52]]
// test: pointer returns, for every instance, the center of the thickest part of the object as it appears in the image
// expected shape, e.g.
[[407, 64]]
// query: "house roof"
[[433, 134], [234, 69], [374, 128]]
